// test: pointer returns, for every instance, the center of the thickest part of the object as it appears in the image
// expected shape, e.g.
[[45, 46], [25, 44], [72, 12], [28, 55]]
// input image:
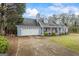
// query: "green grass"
[[69, 41]]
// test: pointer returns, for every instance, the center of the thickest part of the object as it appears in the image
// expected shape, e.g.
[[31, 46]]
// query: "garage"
[[28, 30], [28, 27]]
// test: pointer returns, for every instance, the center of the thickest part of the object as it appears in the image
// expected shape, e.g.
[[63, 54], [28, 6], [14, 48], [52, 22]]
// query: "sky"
[[48, 9]]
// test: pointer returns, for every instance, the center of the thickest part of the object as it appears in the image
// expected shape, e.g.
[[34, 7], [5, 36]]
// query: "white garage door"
[[30, 31]]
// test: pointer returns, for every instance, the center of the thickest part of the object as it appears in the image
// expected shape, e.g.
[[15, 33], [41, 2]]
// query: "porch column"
[[42, 31], [51, 30], [54, 30], [58, 31]]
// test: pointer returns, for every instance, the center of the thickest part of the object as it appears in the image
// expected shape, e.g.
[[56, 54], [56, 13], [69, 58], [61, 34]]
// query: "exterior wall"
[[28, 30], [61, 31], [34, 30], [18, 31], [64, 29], [58, 32]]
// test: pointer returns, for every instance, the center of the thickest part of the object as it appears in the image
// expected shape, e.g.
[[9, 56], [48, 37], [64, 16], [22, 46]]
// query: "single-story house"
[[39, 26]]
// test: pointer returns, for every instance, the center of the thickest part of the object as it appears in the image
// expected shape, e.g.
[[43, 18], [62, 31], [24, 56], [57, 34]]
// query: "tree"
[[13, 16], [3, 18]]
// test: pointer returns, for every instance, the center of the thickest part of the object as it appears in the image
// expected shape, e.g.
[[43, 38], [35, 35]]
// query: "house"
[[40, 26]]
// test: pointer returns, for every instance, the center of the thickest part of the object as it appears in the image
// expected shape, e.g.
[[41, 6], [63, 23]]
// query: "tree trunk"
[[2, 30], [3, 18]]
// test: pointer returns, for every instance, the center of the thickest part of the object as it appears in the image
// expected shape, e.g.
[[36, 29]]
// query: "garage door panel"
[[31, 31]]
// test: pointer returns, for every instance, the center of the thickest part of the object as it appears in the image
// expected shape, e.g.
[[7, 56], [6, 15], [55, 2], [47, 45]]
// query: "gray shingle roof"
[[40, 22], [30, 22], [50, 23]]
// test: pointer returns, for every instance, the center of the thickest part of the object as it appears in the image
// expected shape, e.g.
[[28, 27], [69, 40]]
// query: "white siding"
[[18, 31], [30, 30], [66, 29]]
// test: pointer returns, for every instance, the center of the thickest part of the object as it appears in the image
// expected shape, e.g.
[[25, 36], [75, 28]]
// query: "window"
[[59, 29], [52, 29], [56, 30], [45, 29]]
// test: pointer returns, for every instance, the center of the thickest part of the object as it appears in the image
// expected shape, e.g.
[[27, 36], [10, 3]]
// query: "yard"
[[69, 41], [65, 45]]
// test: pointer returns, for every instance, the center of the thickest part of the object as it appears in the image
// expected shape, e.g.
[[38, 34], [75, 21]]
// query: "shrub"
[[3, 44], [66, 33], [53, 34], [45, 34], [63, 34]]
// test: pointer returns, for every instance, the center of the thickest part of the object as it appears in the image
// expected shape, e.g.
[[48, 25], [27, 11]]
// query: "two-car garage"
[[28, 30]]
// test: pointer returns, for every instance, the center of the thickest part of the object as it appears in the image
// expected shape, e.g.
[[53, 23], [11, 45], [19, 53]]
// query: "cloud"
[[30, 12], [76, 13], [56, 8], [58, 4], [60, 8]]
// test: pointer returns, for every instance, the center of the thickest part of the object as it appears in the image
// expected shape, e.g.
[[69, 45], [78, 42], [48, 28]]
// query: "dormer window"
[[57, 21], [45, 20]]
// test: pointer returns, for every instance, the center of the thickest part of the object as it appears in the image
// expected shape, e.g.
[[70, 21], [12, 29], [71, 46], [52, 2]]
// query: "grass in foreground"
[[69, 41]]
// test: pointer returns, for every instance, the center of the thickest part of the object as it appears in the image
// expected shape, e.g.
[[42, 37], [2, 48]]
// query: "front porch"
[[50, 30]]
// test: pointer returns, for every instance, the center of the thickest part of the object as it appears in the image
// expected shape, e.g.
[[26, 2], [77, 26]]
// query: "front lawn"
[[70, 41]]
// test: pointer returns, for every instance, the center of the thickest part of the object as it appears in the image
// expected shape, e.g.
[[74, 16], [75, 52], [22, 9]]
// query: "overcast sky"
[[49, 9]]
